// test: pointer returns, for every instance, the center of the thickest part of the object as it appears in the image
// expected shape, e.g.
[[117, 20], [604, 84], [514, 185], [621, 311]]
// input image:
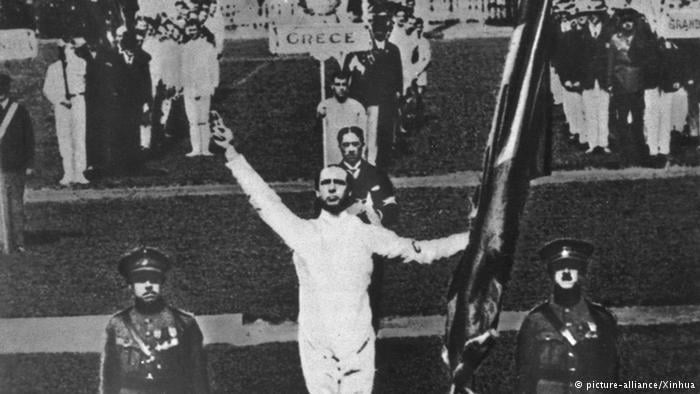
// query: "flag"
[[517, 150]]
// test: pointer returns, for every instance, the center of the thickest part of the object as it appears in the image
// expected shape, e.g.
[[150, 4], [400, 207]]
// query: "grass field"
[[272, 114], [404, 366], [645, 232]]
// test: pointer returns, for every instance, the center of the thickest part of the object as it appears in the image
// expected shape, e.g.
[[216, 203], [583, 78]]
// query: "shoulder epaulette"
[[183, 312], [539, 306]]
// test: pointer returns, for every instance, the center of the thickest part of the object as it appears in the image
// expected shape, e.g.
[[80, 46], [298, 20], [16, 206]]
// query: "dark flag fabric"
[[518, 150]]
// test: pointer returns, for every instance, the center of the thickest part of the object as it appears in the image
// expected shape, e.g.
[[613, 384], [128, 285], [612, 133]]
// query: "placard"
[[18, 44]]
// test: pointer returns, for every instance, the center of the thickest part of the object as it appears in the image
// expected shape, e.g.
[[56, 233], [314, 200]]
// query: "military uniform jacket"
[[177, 364], [547, 362]]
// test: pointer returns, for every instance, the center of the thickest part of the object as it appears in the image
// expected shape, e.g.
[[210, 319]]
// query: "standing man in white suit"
[[64, 87], [200, 77]]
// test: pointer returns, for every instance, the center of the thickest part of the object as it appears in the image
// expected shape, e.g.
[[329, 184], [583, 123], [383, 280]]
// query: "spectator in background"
[[16, 162], [422, 58], [200, 78], [626, 77], [380, 75], [570, 68], [671, 106], [337, 112], [64, 87], [596, 99], [374, 203], [124, 91]]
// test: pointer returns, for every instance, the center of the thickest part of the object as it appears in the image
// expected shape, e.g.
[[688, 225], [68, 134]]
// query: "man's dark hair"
[[352, 129], [5, 83], [341, 74], [348, 178]]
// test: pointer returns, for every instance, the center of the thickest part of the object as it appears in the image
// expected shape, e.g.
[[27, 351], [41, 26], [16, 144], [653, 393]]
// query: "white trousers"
[[555, 86], [372, 125], [197, 110], [326, 374], [596, 107], [669, 112], [573, 110], [652, 114], [70, 130]]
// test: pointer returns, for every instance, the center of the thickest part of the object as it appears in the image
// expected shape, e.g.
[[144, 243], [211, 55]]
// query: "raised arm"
[[387, 243], [292, 229]]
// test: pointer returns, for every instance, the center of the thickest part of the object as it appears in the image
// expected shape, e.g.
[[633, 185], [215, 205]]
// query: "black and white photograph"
[[349, 196]]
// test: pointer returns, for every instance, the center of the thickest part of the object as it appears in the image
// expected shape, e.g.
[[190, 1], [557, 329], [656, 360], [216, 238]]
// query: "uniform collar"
[[327, 216], [4, 104]]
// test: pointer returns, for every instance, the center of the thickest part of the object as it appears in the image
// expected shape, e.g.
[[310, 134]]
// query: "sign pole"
[[4, 218], [324, 120]]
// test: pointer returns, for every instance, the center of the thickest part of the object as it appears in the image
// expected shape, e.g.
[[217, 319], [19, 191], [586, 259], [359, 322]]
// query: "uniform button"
[[567, 310], [572, 369], [571, 354], [568, 324]]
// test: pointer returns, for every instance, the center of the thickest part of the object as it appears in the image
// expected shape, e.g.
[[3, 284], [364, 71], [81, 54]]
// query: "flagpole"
[[324, 119], [4, 217]]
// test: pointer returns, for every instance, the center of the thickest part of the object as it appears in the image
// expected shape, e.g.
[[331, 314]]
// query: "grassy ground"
[[406, 366], [273, 117], [645, 232]]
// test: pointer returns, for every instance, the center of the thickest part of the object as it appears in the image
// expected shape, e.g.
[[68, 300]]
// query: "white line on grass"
[[84, 334], [457, 179]]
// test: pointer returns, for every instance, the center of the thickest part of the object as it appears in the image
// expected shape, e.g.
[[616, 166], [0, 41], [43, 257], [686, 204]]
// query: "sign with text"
[[321, 41], [18, 44], [681, 24]]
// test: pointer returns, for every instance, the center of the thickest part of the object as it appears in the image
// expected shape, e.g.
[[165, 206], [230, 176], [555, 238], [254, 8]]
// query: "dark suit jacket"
[[17, 146], [373, 182], [594, 55], [382, 79]]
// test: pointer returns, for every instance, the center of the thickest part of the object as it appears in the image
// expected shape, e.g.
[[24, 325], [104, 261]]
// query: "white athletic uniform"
[[70, 122], [200, 77], [333, 261], [339, 115]]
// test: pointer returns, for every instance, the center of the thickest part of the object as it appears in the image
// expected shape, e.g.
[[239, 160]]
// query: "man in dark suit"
[[566, 339], [374, 203], [16, 161], [380, 76], [152, 347], [629, 48], [124, 90]]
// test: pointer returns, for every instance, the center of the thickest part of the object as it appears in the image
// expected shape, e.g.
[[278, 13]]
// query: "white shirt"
[[54, 85], [4, 104], [200, 68], [339, 115], [333, 260]]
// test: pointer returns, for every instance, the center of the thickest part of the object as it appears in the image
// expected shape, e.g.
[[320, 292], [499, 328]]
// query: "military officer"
[[567, 338], [151, 347]]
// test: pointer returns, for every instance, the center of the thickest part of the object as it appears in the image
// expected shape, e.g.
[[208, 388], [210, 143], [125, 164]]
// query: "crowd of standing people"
[[112, 98], [622, 85]]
